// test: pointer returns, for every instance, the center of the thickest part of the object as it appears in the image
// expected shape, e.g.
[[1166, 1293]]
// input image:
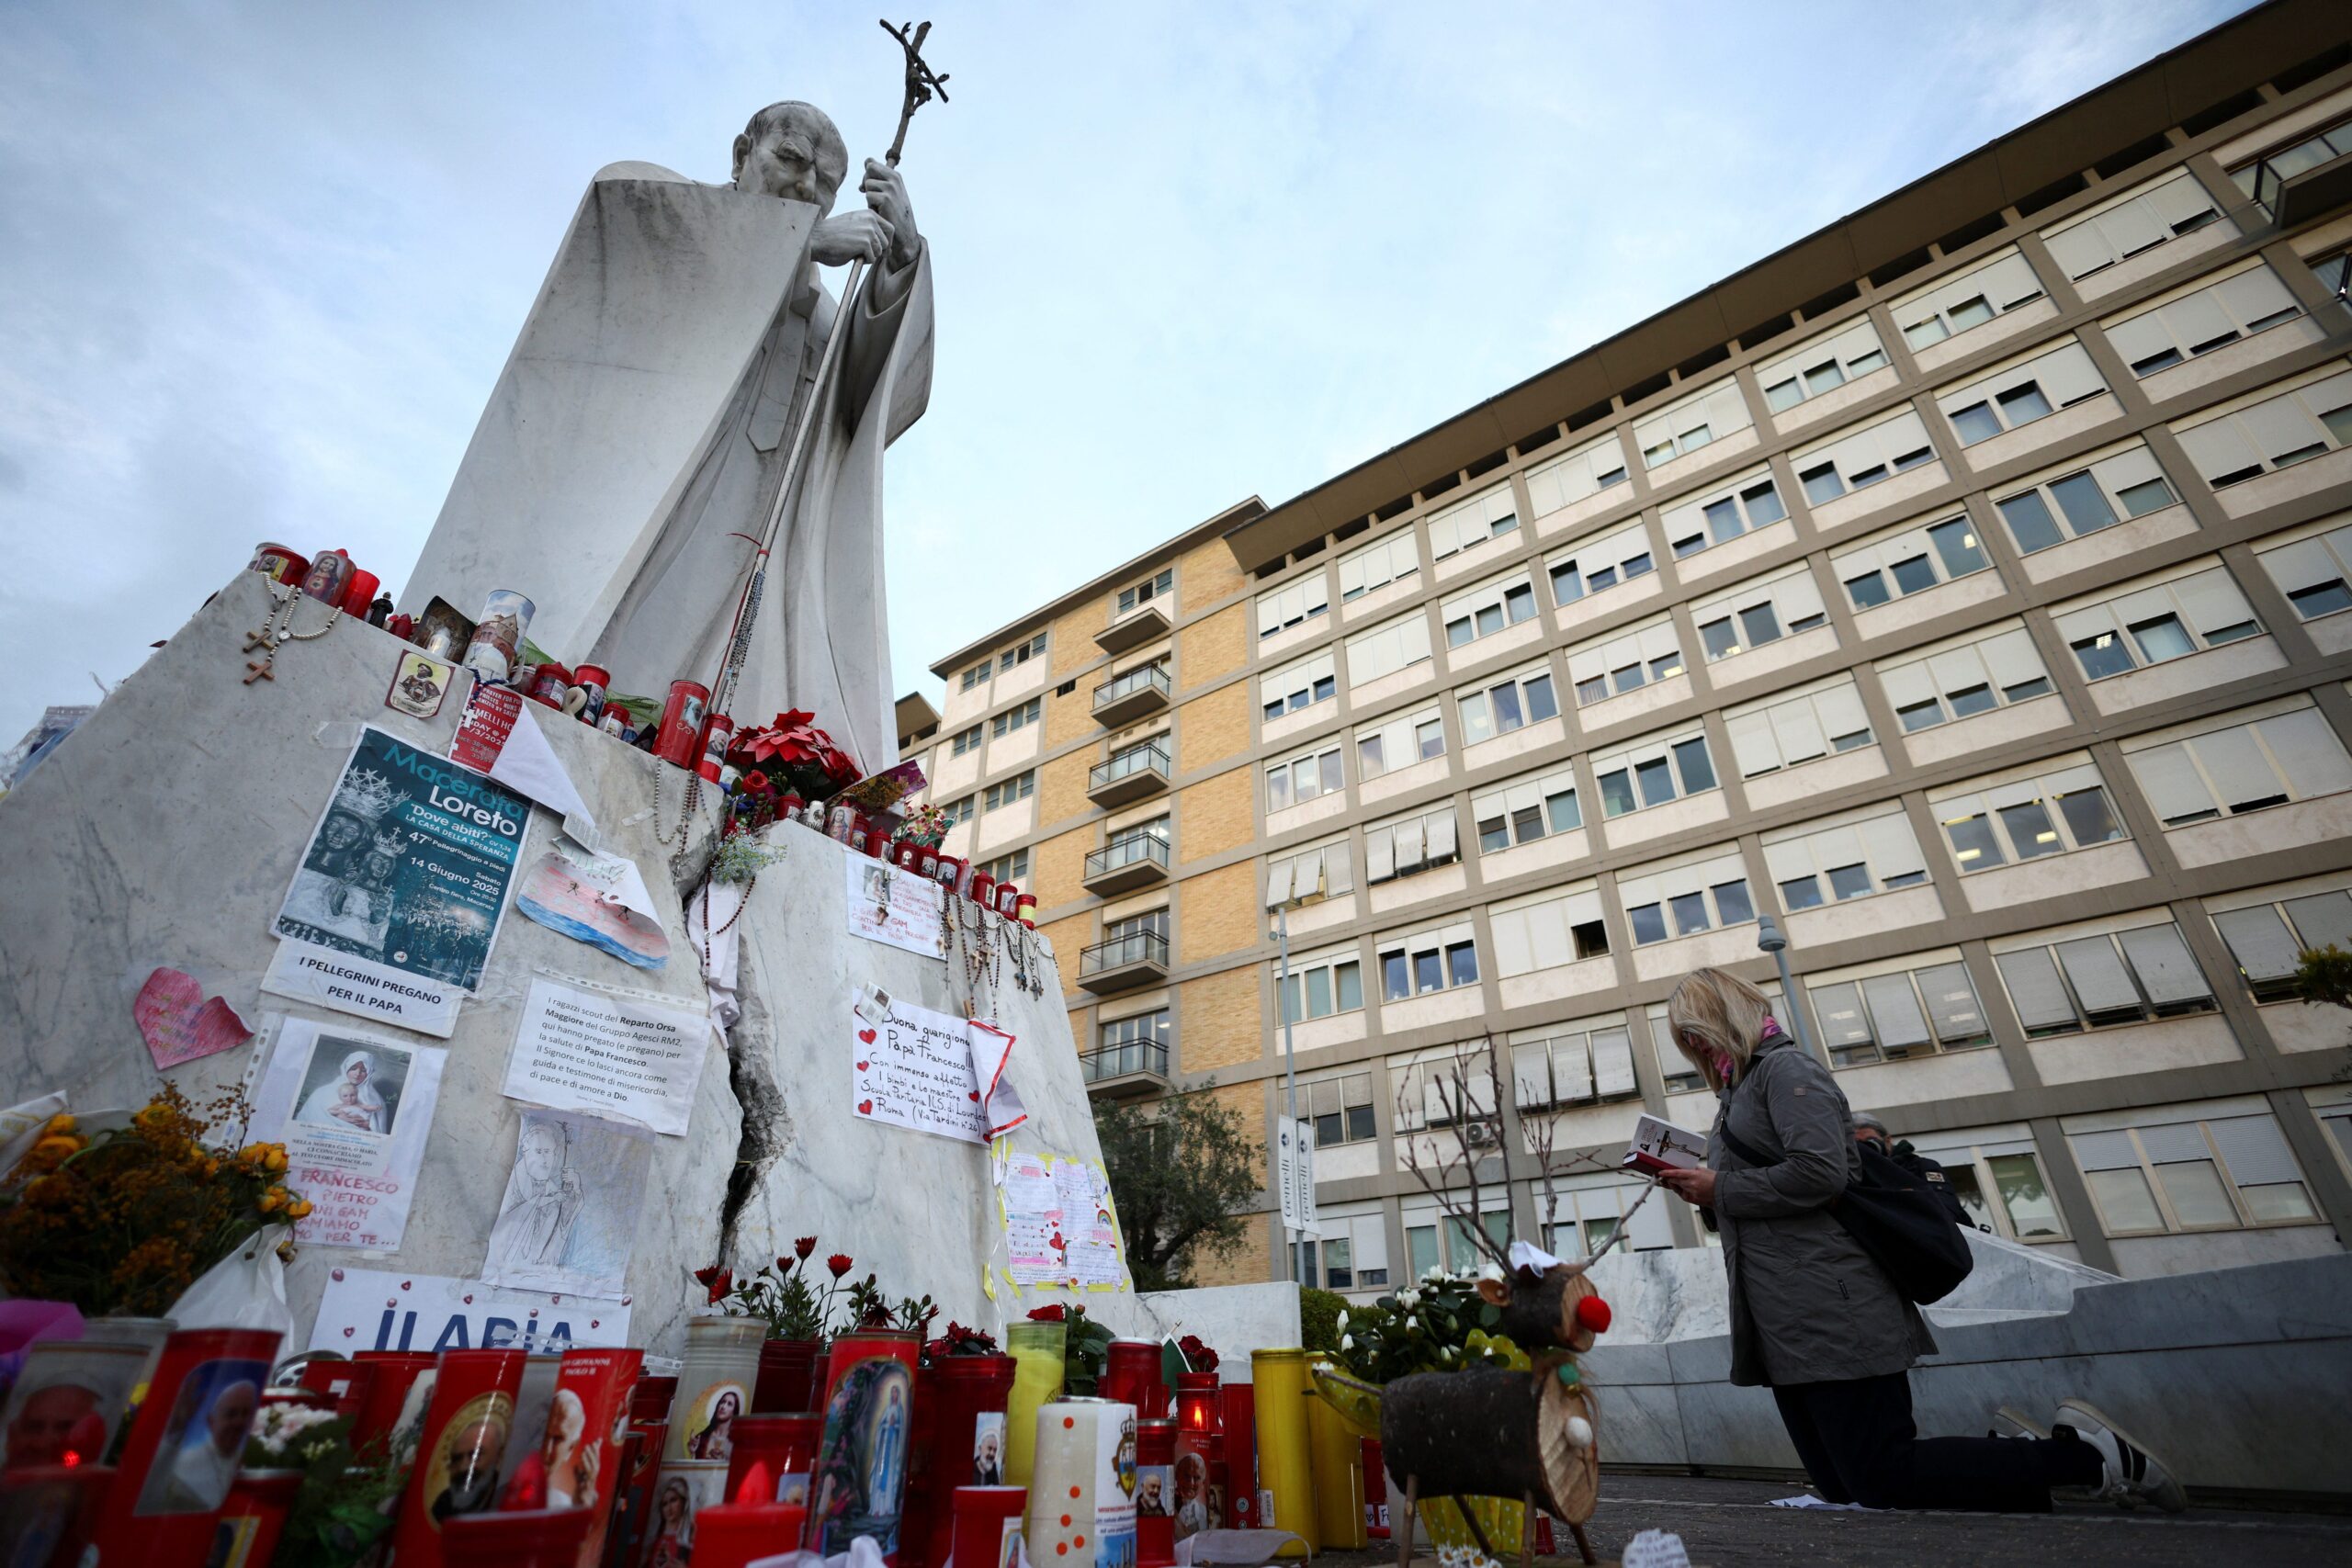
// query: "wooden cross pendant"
[[259, 638], [260, 672]]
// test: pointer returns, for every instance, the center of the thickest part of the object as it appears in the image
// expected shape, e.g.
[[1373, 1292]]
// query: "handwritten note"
[[912, 1067], [890, 904], [613, 1054], [1057, 1222]]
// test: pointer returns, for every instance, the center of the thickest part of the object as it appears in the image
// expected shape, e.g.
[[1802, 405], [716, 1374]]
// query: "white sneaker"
[[2132, 1474], [2021, 1424]]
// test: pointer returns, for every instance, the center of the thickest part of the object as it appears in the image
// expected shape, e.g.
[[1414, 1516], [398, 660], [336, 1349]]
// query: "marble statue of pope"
[[632, 449]]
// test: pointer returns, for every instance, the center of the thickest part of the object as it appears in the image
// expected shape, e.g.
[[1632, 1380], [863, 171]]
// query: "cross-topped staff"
[[921, 83]]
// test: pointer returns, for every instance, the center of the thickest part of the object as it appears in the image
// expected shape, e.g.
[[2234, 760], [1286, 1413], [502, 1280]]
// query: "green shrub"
[[1318, 1318]]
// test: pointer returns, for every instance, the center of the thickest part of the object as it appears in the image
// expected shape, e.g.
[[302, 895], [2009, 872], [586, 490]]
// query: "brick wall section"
[[1070, 938], [1061, 788], [1055, 868], [1069, 717], [1220, 913], [1207, 574], [1213, 728], [1220, 1021], [1247, 1264], [1073, 637], [1214, 816], [1213, 646]]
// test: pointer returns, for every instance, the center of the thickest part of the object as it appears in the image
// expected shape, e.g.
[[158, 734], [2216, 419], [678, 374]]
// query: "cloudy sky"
[[261, 260]]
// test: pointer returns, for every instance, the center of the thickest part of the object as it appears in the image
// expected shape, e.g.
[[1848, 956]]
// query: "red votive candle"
[[1375, 1491], [60, 1503], [987, 1520], [467, 1424], [255, 1515], [787, 1371], [390, 1373], [1241, 1456], [184, 1443], [1196, 1403], [772, 1458], [961, 1402], [344, 1381], [728, 1535], [1155, 1493], [650, 1400], [530, 1538], [1131, 1375]]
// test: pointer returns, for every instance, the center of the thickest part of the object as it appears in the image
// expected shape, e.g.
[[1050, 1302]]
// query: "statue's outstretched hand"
[[851, 236], [886, 194]]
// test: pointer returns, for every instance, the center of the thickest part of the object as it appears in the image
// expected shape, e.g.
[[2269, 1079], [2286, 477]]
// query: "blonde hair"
[[1724, 1013]]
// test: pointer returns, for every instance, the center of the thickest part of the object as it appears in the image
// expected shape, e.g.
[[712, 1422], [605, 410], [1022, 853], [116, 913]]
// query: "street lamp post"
[[1290, 1068], [1771, 939]]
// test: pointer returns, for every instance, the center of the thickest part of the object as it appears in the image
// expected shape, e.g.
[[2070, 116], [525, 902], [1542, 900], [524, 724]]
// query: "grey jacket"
[[1807, 1304]]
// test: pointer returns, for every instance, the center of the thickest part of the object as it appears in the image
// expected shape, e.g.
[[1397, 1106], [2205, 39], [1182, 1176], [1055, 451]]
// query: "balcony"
[[1136, 694], [1137, 773], [1124, 865], [1124, 1072], [2304, 190], [1139, 625], [1139, 958]]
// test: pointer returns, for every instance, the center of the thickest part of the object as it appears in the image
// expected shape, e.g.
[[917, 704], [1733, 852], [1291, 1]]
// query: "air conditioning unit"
[[1478, 1135]]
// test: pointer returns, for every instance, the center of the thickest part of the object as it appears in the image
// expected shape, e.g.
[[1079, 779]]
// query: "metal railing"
[[1136, 947], [1118, 1061], [1154, 676], [1135, 760], [1123, 853]]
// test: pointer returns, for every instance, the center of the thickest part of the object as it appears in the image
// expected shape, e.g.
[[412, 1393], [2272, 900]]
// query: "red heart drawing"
[[557, 1300], [862, 1065], [346, 1334], [179, 1025], [865, 1037], [391, 1301], [335, 1274], [470, 1301], [403, 1284], [976, 1096], [865, 1108], [626, 1300], [596, 1323]]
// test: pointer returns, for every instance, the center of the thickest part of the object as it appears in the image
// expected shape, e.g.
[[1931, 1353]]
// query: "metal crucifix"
[[922, 83]]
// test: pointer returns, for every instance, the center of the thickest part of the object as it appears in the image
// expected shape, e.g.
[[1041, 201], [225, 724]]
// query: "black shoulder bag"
[[1898, 1220]]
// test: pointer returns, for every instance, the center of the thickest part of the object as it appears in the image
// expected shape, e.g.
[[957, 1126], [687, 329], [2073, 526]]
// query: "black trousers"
[[1858, 1445]]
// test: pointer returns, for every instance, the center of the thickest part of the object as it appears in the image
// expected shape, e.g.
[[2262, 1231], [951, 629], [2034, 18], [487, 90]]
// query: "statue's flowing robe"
[[631, 451]]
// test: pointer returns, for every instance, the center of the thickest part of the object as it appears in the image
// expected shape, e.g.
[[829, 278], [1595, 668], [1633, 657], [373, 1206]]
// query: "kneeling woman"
[[1817, 1320]]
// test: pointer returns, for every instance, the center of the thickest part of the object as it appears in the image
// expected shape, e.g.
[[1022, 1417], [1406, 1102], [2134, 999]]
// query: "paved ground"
[[1727, 1524]]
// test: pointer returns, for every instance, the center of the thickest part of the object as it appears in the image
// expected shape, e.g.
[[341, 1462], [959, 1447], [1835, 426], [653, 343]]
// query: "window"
[[2334, 275], [1996, 1173], [2168, 619], [958, 810], [965, 741], [2201, 1172], [1385, 650], [1487, 609], [1596, 466], [1469, 523], [1548, 929], [1589, 1215], [2062, 984], [1602, 562], [1379, 564], [1320, 986], [1438, 960], [1137, 839], [1143, 756], [2267, 939], [1525, 809], [1297, 686], [1355, 1251], [973, 676], [1882, 1014], [1035, 647], [2062, 805], [2004, 283], [1437, 1241], [2249, 300], [1399, 741], [1340, 1110], [2277, 432], [1294, 605], [2021, 393], [1143, 593], [2311, 569], [1705, 893], [1013, 867], [1785, 732], [1859, 458], [1853, 856], [1136, 1044], [1297, 780], [1821, 365], [1763, 612], [2225, 768], [1639, 656], [2160, 211], [1405, 845], [1750, 502], [1961, 680], [1323, 871], [1698, 419], [1581, 1063], [2067, 505], [1652, 771], [2322, 146], [1512, 702], [1020, 787], [1908, 562], [1021, 717], [1430, 1092], [1139, 928]]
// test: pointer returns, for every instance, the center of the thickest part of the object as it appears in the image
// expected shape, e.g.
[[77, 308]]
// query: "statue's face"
[[784, 160]]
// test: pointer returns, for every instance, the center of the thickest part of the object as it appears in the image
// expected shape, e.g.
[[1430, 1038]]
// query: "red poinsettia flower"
[[1054, 1313], [841, 1263], [793, 738], [804, 1246], [717, 1280]]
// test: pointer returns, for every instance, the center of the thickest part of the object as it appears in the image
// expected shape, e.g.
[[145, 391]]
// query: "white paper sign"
[[348, 983], [890, 904], [374, 1309], [1057, 1224], [1295, 1173], [353, 1111], [913, 1070], [612, 1053], [568, 1219]]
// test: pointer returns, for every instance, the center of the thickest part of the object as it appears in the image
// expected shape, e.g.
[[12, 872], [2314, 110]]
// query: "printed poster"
[[375, 1309], [353, 1111], [568, 1219], [1059, 1226], [402, 886], [912, 1067], [620, 1054], [598, 899], [896, 906]]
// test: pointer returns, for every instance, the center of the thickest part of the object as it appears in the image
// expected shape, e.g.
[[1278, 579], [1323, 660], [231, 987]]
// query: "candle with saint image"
[[467, 1424], [184, 1445]]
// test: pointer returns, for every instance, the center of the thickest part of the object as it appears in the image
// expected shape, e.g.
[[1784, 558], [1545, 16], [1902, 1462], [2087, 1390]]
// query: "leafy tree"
[[2325, 975], [1178, 1171]]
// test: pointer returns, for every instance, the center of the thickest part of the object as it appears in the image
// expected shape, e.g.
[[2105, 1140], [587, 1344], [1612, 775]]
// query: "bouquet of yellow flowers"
[[122, 1220]]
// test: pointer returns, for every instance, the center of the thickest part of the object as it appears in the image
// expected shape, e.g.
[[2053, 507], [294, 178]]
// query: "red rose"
[[841, 1263], [1047, 1315], [756, 783], [804, 1246]]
